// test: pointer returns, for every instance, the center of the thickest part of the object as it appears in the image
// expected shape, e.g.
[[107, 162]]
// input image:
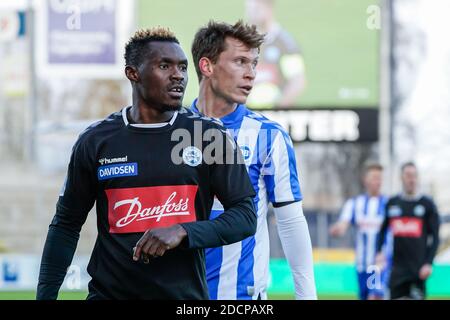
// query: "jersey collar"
[[236, 116], [147, 125], [406, 197]]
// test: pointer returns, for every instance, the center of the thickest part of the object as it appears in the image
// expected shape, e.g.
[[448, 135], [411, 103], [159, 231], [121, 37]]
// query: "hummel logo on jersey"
[[139, 209], [113, 160]]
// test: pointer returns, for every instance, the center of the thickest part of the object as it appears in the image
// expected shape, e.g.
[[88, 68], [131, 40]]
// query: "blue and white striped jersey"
[[366, 214], [241, 270]]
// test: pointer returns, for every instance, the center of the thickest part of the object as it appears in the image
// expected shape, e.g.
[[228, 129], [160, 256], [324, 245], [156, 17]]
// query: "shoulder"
[[428, 200], [208, 122], [266, 123], [350, 201], [357, 198], [393, 199], [275, 134], [99, 128]]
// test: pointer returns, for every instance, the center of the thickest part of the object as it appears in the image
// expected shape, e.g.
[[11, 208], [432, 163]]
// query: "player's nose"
[[250, 73], [177, 74]]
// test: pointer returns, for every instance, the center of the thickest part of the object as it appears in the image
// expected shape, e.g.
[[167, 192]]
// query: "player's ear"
[[132, 73], [206, 67]]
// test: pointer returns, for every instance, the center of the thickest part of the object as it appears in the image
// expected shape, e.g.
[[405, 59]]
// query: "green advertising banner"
[[339, 279]]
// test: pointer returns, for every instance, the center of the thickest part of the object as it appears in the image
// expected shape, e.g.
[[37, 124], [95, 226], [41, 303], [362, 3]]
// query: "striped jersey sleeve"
[[348, 211], [280, 170]]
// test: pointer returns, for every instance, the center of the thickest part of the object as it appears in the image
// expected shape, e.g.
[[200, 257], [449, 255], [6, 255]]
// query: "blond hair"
[[136, 47]]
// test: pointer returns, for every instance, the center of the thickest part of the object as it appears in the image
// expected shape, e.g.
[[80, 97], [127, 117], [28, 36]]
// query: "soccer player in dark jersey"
[[414, 222], [153, 182]]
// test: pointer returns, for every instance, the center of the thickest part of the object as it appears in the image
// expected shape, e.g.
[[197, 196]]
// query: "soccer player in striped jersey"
[[366, 213], [225, 57]]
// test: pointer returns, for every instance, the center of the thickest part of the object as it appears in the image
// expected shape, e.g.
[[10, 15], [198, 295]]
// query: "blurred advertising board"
[[328, 125], [12, 24], [21, 272], [79, 63], [83, 39], [317, 53]]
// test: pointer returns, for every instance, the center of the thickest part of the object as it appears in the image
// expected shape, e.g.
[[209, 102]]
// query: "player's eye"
[[183, 68], [163, 66]]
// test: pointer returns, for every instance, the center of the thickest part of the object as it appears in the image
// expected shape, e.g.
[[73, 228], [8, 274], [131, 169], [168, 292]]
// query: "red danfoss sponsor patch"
[[406, 227], [139, 209]]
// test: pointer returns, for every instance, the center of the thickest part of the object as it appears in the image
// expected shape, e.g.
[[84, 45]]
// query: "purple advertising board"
[[80, 38], [81, 34]]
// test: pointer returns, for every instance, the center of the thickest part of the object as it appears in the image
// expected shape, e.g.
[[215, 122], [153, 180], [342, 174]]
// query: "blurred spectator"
[[280, 75]]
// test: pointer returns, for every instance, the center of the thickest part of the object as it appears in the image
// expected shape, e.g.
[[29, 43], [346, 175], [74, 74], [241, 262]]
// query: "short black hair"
[[209, 41], [136, 48], [408, 164]]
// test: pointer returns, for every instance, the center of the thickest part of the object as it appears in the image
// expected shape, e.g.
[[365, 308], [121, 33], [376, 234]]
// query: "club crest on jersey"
[[117, 170], [394, 211], [246, 152], [419, 210], [192, 156]]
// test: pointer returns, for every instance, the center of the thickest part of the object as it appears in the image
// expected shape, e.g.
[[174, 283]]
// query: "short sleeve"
[[280, 171], [348, 211]]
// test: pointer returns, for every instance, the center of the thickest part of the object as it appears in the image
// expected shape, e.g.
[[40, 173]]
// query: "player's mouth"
[[176, 92], [246, 89]]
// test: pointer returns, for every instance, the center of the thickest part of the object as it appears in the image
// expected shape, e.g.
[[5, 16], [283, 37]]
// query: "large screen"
[[318, 53]]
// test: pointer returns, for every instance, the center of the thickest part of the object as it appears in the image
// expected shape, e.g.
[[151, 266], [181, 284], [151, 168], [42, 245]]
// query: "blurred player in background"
[[366, 213], [414, 221], [280, 76], [152, 211], [225, 58]]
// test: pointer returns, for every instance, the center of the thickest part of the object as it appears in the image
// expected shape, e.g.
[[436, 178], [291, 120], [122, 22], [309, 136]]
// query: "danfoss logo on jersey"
[[140, 209], [406, 227]]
